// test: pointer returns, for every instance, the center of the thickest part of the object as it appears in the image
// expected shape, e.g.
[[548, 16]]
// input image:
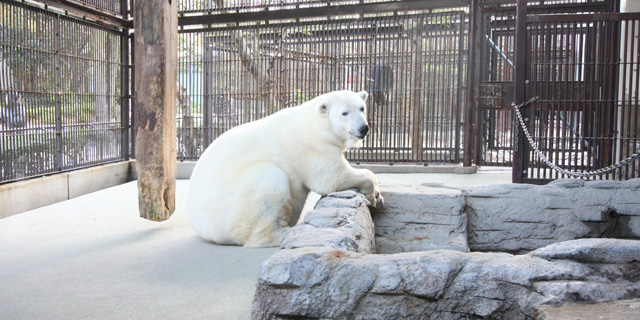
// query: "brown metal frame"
[[574, 64], [495, 128]]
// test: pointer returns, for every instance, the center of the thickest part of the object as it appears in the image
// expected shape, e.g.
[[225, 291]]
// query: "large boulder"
[[329, 283], [328, 268], [520, 217]]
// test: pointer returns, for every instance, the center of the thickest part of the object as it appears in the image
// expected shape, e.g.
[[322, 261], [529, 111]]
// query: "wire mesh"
[[60, 89], [412, 66]]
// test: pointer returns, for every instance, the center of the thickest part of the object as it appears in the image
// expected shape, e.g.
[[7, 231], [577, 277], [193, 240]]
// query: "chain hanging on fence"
[[552, 165]]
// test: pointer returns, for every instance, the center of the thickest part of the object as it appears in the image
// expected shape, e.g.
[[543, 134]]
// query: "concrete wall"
[[35, 193]]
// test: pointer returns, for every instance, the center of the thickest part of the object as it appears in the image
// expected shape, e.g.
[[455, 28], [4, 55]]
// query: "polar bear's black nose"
[[364, 129]]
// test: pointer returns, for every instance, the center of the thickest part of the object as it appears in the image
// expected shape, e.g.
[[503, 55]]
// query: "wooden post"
[[155, 60]]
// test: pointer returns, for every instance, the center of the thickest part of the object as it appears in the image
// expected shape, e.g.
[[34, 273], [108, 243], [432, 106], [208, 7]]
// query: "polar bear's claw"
[[379, 200]]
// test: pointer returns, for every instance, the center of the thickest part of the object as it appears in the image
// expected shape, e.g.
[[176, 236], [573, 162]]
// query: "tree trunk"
[[260, 69], [156, 42], [187, 138]]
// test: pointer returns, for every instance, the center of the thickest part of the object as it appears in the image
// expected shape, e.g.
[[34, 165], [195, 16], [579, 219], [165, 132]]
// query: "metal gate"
[[584, 71], [494, 75]]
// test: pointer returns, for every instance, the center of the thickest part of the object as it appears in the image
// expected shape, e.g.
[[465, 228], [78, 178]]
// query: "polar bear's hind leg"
[[267, 210]]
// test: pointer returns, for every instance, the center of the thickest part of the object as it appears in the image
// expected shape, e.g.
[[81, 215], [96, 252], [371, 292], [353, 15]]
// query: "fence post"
[[208, 93], [472, 83], [521, 152], [156, 42], [415, 98], [125, 94], [57, 97]]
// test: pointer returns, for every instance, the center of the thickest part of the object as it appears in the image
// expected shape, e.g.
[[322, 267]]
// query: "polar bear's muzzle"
[[362, 131]]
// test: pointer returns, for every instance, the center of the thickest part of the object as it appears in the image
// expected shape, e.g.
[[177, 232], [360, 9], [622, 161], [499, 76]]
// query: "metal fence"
[[584, 69], [412, 65], [65, 72], [60, 84], [495, 118]]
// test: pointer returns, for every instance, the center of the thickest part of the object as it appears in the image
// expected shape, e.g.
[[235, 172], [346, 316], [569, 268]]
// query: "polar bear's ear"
[[363, 95], [323, 107]]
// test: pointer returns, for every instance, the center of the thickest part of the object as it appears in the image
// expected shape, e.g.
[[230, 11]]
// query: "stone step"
[[419, 218]]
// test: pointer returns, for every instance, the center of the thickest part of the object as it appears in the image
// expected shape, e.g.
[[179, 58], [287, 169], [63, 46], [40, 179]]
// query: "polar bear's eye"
[[362, 109], [345, 113]]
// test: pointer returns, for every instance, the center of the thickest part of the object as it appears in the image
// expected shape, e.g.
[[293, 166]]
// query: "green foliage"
[[41, 110], [300, 96]]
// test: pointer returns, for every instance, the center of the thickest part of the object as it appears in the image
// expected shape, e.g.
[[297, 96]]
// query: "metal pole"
[[521, 152], [471, 85], [124, 85], [58, 98]]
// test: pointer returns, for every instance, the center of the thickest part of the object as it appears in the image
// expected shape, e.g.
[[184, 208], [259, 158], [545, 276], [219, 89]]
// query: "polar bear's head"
[[346, 112]]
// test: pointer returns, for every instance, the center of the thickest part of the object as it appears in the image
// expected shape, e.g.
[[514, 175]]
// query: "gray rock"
[[304, 236], [592, 251], [624, 309], [418, 218], [437, 284], [517, 218], [339, 221], [327, 269]]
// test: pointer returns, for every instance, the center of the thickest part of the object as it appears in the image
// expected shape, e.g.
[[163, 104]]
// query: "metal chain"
[[552, 165]]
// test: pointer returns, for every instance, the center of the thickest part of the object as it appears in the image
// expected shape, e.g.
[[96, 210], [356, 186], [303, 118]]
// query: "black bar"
[[58, 102], [328, 11], [472, 83], [88, 12], [125, 98], [584, 17], [521, 154]]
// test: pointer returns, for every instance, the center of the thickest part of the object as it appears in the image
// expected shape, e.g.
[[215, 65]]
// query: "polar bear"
[[251, 183]]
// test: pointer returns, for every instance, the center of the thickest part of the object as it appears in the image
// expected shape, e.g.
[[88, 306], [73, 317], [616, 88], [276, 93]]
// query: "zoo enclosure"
[[412, 64], [438, 74]]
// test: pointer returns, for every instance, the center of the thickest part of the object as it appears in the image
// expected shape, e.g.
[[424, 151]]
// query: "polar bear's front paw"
[[375, 200], [379, 203]]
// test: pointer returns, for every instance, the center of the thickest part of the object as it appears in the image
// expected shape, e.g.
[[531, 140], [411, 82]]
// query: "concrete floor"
[[92, 257]]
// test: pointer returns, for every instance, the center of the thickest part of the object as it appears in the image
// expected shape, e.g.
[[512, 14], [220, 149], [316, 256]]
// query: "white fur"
[[251, 183]]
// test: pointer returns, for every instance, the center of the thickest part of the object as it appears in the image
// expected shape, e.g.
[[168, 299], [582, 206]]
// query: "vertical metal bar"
[[58, 102], [626, 100], [471, 115], [634, 103], [612, 65], [208, 95], [132, 100], [484, 69], [125, 96], [459, 105], [521, 154]]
